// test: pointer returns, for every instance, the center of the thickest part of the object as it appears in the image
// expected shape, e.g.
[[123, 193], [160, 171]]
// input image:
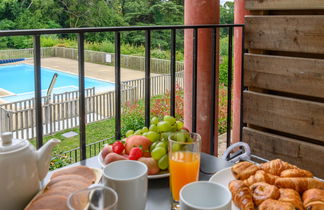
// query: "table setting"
[[161, 167]]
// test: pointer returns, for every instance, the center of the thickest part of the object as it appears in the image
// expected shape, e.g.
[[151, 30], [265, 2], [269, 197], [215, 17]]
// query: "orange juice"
[[184, 168]]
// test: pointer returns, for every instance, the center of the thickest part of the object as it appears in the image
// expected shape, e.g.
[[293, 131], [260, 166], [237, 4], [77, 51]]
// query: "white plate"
[[162, 174], [223, 177]]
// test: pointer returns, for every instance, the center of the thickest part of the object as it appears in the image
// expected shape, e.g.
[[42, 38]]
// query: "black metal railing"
[[80, 32]]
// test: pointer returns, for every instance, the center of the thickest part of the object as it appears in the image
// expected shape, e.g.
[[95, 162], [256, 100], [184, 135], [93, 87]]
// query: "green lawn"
[[94, 132]]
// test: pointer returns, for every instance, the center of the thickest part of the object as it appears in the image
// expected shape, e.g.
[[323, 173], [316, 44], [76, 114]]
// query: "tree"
[[168, 13], [227, 13], [226, 16]]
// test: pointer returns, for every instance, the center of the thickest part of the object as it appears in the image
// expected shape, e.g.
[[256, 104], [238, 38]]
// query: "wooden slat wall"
[[283, 108], [302, 76], [303, 154], [284, 114], [285, 33], [283, 4]]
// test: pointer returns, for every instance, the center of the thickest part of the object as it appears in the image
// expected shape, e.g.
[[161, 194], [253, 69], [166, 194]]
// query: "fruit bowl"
[[162, 174]]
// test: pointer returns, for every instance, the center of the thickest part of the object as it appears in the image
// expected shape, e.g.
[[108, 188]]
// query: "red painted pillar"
[[239, 13], [200, 12]]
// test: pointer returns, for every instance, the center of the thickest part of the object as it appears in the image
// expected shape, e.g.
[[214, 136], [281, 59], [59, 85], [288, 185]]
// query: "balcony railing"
[[80, 32]]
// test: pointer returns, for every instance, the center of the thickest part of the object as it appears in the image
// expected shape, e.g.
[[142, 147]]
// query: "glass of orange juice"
[[184, 162]]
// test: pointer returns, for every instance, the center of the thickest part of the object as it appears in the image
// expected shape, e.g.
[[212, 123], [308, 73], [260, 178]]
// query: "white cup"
[[129, 179], [204, 195]]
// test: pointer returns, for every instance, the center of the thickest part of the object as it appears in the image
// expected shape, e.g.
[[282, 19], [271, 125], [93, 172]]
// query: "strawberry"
[[118, 147], [135, 153]]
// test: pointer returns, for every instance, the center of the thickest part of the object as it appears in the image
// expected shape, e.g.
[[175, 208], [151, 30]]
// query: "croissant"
[[244, 170], [291, 196], [242, 196], [260, 176], [262, 191], [276, 166], [296, 172], [300, 184], [314, 199], [271, 204]]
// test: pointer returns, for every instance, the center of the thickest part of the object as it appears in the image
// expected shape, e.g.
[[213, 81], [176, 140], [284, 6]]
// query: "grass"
[[94, 132]]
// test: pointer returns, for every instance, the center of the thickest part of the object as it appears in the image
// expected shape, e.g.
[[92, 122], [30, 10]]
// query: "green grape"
[[138, 132], [153, 136], [179, 125], [162, 144], [153, 145], [165, 135], [180, 137], [158, 152], [186, 134], [154, 121], [169, 119], [165, 141], [189, 139], [164, 126], [174, 128], [153, 128], [163, 163], [176, 147], [145, 129], [184, 131], [129, 133]]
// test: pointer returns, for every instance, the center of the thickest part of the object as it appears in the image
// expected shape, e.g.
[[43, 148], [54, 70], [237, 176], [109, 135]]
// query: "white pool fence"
[[61, 111]]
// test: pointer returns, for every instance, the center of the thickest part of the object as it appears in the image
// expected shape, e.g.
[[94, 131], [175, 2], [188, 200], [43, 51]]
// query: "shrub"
[[49, 41], [222, 110], [161, 105], [223, 49], [223, 71], [104, 46], [132, 117], [59, 161]]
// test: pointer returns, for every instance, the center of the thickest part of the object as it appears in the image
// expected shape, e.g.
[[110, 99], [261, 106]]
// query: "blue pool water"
[[19, 80]]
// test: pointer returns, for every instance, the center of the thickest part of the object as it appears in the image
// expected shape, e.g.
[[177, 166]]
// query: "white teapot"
[[21, 170]]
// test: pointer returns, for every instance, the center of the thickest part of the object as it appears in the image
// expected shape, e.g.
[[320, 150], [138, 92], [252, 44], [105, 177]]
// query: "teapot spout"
[[44, 156]]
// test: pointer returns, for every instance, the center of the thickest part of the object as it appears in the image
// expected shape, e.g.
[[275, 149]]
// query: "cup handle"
[[96, 185]]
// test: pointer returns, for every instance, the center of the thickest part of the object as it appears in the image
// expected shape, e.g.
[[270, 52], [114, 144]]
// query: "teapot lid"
[[9, 144]]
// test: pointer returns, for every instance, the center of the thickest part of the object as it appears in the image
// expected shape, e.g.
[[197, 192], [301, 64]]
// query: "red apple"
[[138, 141]]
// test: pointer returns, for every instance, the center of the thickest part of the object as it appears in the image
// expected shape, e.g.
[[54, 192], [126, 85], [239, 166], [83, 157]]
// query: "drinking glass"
[[97, 197], [184, 163]]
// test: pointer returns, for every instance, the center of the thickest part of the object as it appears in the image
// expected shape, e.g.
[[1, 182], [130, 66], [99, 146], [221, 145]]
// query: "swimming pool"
[[19, 80]]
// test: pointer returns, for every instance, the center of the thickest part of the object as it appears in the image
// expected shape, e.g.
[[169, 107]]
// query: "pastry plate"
[[223, 177], [97, 171], [162, 174]]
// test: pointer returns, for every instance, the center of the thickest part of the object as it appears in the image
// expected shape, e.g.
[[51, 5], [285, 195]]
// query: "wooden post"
[[239, 13], [200, 12]]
